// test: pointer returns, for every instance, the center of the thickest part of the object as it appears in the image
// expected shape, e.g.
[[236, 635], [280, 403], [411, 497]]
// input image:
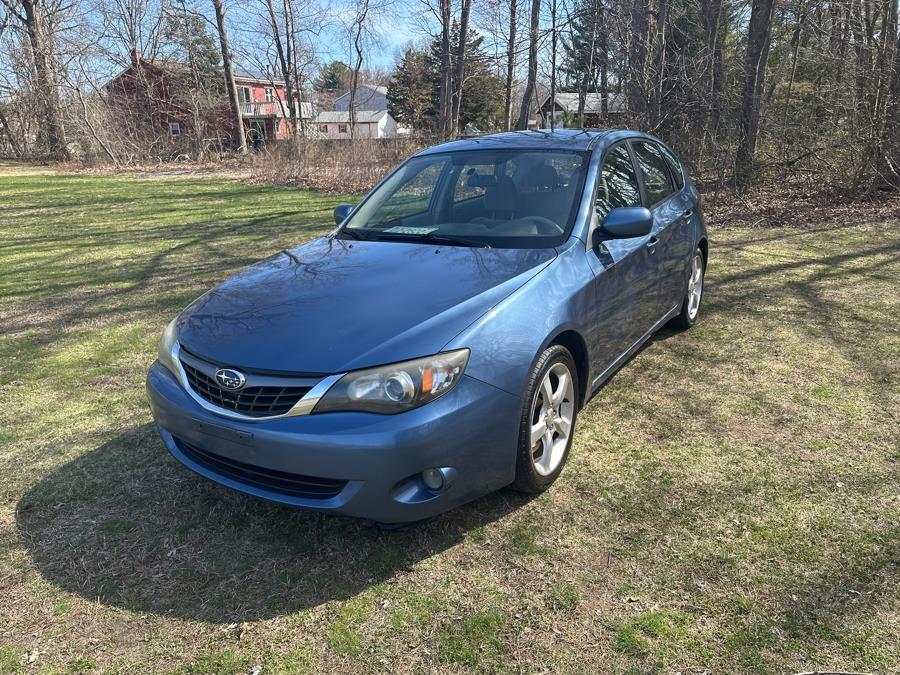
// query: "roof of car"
[[560, 139]]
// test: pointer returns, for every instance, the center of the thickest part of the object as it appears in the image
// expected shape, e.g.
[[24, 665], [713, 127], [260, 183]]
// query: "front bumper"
[[472, 430]]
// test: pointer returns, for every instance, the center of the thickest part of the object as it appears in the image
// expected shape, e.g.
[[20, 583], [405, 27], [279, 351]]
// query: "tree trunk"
[[510, 65], [45, 81], [459, 75], [445, 102], [758, 39], [17, 150], [358, 26], [532, 64], [588, 76], [637, 62], [285, 56], [553, 65], [711, 13], [237, 120], [603, 47], [660, 64]]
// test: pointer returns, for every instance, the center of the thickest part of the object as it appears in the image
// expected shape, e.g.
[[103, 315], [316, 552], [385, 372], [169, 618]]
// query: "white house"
[[369, 124]]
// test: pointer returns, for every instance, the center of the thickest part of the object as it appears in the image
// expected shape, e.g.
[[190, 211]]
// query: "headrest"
[[480, 180], [502, 196], [543, 176]]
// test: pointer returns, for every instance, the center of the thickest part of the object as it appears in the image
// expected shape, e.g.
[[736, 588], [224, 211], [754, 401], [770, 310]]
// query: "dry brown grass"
[[324, 165]]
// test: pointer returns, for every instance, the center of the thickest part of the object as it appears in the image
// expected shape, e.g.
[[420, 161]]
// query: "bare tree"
[[531, 80], [460, 65], [758, 40], [34, 17], [358, 26], [237, 120], [510, 64], [445, 99]]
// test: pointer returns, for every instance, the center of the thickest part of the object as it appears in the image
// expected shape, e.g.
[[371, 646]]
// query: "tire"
[[693, 293], [556, 422]]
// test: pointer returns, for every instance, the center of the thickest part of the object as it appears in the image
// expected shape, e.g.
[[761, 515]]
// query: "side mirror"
[[341, 211], [627, 222]]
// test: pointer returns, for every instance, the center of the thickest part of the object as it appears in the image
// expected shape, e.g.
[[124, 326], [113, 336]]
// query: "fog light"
[[433, 479]]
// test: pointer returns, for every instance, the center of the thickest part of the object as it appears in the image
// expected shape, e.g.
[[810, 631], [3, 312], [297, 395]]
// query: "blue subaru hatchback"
[[439, 344]]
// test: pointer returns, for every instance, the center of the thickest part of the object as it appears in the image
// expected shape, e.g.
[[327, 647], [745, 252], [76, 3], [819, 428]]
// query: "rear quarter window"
[[654, 171], [674, 165]]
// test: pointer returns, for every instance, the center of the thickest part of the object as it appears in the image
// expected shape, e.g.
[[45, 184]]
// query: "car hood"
[[334, 305]]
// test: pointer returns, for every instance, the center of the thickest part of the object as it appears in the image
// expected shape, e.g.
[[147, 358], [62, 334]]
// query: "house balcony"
[[274, 109]]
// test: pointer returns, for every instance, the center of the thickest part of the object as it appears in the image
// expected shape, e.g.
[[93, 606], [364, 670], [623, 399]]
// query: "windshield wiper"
[[353, 234], [431, 239]]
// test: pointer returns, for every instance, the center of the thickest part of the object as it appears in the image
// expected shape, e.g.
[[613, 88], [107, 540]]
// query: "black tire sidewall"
[[527, 478], [684, 319]]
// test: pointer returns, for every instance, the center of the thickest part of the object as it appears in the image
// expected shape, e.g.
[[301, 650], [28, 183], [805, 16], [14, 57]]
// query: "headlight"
[[397, 387], [169, 336]]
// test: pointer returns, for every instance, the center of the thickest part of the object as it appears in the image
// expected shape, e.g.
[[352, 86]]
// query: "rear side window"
[[618, 183], [675, 166], [654, 171]]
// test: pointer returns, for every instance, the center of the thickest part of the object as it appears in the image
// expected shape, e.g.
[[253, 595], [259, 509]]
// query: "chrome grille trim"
[[317, 387]]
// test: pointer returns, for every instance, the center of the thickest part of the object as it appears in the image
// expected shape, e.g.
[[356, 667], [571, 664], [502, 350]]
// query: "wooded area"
[[745, 90]]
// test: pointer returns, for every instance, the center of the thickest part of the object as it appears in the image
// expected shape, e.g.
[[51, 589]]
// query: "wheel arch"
[[703, 245], [573, 341]]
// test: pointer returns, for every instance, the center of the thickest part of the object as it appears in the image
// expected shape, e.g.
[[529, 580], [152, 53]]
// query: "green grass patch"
[[473, 641]]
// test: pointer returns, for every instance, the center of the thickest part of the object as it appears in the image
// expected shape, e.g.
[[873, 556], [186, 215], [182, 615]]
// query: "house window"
[[270, 94], [323, 128], [245, 95], [174, 129], [342, 128]]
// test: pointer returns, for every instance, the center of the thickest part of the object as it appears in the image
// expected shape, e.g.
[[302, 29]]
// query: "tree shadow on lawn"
[[127, 526]]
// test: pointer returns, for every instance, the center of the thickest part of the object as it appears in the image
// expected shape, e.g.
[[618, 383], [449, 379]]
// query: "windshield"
[[502, 199]]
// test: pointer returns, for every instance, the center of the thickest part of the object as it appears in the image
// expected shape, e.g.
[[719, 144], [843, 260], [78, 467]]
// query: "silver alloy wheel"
[[552, 412], [695, 286]]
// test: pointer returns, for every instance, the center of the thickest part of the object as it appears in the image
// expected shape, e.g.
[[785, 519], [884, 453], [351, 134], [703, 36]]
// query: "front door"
[[624, 269]]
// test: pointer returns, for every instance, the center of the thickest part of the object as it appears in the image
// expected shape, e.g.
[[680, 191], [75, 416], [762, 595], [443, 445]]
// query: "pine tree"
[[414, 91], [333, 77], [411, 91]]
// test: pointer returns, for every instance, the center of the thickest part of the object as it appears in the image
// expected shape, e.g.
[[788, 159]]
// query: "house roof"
[[568, 101], [371, 87], [256, 76], [343, 116]]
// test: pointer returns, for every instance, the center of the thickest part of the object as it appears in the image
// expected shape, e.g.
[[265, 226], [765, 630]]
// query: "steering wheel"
[[545, 226]]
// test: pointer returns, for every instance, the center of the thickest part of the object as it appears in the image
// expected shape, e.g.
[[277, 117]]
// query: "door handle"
[[651, 244], [688, 213]]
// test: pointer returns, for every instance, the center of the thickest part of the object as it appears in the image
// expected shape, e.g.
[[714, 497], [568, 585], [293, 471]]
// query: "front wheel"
[[548, 421], [690, 305]]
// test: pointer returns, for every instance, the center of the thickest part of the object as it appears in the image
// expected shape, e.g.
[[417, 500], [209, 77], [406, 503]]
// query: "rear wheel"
[[548, 421], [690, 305]]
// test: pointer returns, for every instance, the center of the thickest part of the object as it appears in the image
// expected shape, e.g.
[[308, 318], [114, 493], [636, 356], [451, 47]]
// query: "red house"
[[159, 97]]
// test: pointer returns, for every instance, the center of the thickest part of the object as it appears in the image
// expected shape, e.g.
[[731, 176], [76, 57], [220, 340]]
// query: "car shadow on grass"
[[127, 526]]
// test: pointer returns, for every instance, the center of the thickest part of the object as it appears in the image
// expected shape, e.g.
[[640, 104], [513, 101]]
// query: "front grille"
[[251, 401], [293, 485]]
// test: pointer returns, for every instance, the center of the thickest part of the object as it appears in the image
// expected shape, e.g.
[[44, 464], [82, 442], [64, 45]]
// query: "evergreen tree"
[[411, 91], [333, 77], [582, 50], [414, 91]]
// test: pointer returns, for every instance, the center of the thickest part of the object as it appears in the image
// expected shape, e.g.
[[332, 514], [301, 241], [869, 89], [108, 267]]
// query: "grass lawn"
[[730, 505]]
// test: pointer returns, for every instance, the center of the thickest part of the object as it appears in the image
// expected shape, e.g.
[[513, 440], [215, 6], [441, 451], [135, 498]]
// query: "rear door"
[[659, 197], [624, 269], [682, 206]]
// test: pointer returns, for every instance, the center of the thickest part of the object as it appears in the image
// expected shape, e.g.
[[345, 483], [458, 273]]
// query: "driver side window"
[[618, 185]]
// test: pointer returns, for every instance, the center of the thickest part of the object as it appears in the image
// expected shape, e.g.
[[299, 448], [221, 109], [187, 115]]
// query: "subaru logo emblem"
[[230, 379]]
